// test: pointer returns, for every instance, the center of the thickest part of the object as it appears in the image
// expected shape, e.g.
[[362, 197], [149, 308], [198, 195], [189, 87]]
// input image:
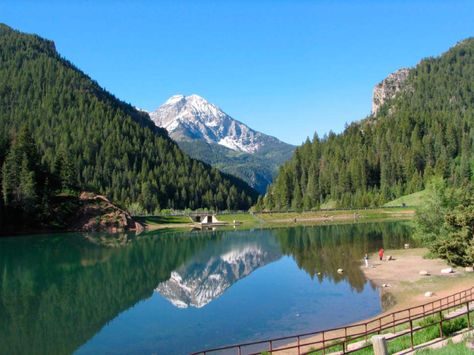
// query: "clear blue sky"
[[287, 68]]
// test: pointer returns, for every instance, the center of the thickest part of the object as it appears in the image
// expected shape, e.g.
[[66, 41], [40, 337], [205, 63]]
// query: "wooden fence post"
[[379, 345], [468, 316]]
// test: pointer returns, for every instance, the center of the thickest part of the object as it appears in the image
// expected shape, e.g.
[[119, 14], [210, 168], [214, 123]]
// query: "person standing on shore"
[[381, 254], [366, 259]]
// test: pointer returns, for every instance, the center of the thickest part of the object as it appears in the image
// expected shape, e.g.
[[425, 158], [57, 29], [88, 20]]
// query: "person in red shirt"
[[381, 254]]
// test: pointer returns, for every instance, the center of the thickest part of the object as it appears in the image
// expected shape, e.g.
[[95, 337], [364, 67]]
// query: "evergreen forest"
[[426, 130], [59, 130]]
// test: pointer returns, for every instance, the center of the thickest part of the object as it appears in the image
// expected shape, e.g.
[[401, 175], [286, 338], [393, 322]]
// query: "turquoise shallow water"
[[172, 293]]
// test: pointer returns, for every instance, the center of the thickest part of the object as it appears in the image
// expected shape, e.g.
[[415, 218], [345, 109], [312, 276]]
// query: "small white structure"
[[340, 271], [206, 220], [428, 294], [203, 218], [424, 273]]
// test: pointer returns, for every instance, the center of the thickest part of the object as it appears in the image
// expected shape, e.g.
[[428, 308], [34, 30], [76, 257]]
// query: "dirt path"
[[299, 219], [153, 227], [304, 218], [406, 287]]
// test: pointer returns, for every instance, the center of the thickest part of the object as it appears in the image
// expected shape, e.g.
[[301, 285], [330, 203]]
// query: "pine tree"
[[27, 187], [297, 202], [10, 174]]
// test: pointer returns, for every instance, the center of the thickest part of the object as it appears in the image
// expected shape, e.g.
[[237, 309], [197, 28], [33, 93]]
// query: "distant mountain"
[[207, 133], [422, 125], [192, 117]]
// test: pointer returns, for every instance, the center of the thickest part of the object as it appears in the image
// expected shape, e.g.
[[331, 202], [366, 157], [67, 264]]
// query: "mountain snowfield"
[[193, 117], [207, 133]]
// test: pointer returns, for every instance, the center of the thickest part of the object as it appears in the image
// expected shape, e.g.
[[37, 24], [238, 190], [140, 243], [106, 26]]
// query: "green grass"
[[150, 220], [360, 213], [449, 349], [329, 204], [427, 334], [275, 219], [413, 200], [245, 218], [419, 337]]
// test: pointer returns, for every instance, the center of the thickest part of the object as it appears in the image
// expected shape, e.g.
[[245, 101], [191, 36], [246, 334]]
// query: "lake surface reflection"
[[172, 293]]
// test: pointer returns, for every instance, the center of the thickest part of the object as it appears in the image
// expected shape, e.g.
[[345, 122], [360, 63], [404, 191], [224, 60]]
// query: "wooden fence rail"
[[359, 334]]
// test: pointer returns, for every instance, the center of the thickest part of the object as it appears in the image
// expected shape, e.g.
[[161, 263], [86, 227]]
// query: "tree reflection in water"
[[58, 291]]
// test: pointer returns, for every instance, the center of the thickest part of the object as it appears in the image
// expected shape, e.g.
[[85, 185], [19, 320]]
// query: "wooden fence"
[[356, 337]]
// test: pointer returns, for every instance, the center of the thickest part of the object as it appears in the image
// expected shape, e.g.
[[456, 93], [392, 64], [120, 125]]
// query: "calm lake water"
[[172, 293]]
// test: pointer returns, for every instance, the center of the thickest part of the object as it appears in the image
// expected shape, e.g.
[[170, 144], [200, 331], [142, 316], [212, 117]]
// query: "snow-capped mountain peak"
[[193, 117]]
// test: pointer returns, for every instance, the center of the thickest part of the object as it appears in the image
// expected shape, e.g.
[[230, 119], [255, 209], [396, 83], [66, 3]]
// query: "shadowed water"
[[172, 293]]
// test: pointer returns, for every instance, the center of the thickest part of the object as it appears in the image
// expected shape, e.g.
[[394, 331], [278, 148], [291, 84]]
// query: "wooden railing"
[[356, 337]]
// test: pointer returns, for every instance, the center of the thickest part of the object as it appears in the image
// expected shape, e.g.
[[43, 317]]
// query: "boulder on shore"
[[96, 213], [424, 273], [448, 270], [428, 294]]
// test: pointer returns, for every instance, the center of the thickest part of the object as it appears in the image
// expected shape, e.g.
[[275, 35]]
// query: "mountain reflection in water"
[[58, 292], [216, 267]]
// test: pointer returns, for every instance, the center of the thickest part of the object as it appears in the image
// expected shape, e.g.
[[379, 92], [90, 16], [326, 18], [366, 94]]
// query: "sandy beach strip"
[[405, 286]]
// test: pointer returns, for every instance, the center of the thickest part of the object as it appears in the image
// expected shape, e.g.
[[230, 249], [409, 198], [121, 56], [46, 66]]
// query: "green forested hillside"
[[111, 147], [426, 130], [257, 169]]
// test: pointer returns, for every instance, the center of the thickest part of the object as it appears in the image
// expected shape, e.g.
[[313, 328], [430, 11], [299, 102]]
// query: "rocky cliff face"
[[388, 88]]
